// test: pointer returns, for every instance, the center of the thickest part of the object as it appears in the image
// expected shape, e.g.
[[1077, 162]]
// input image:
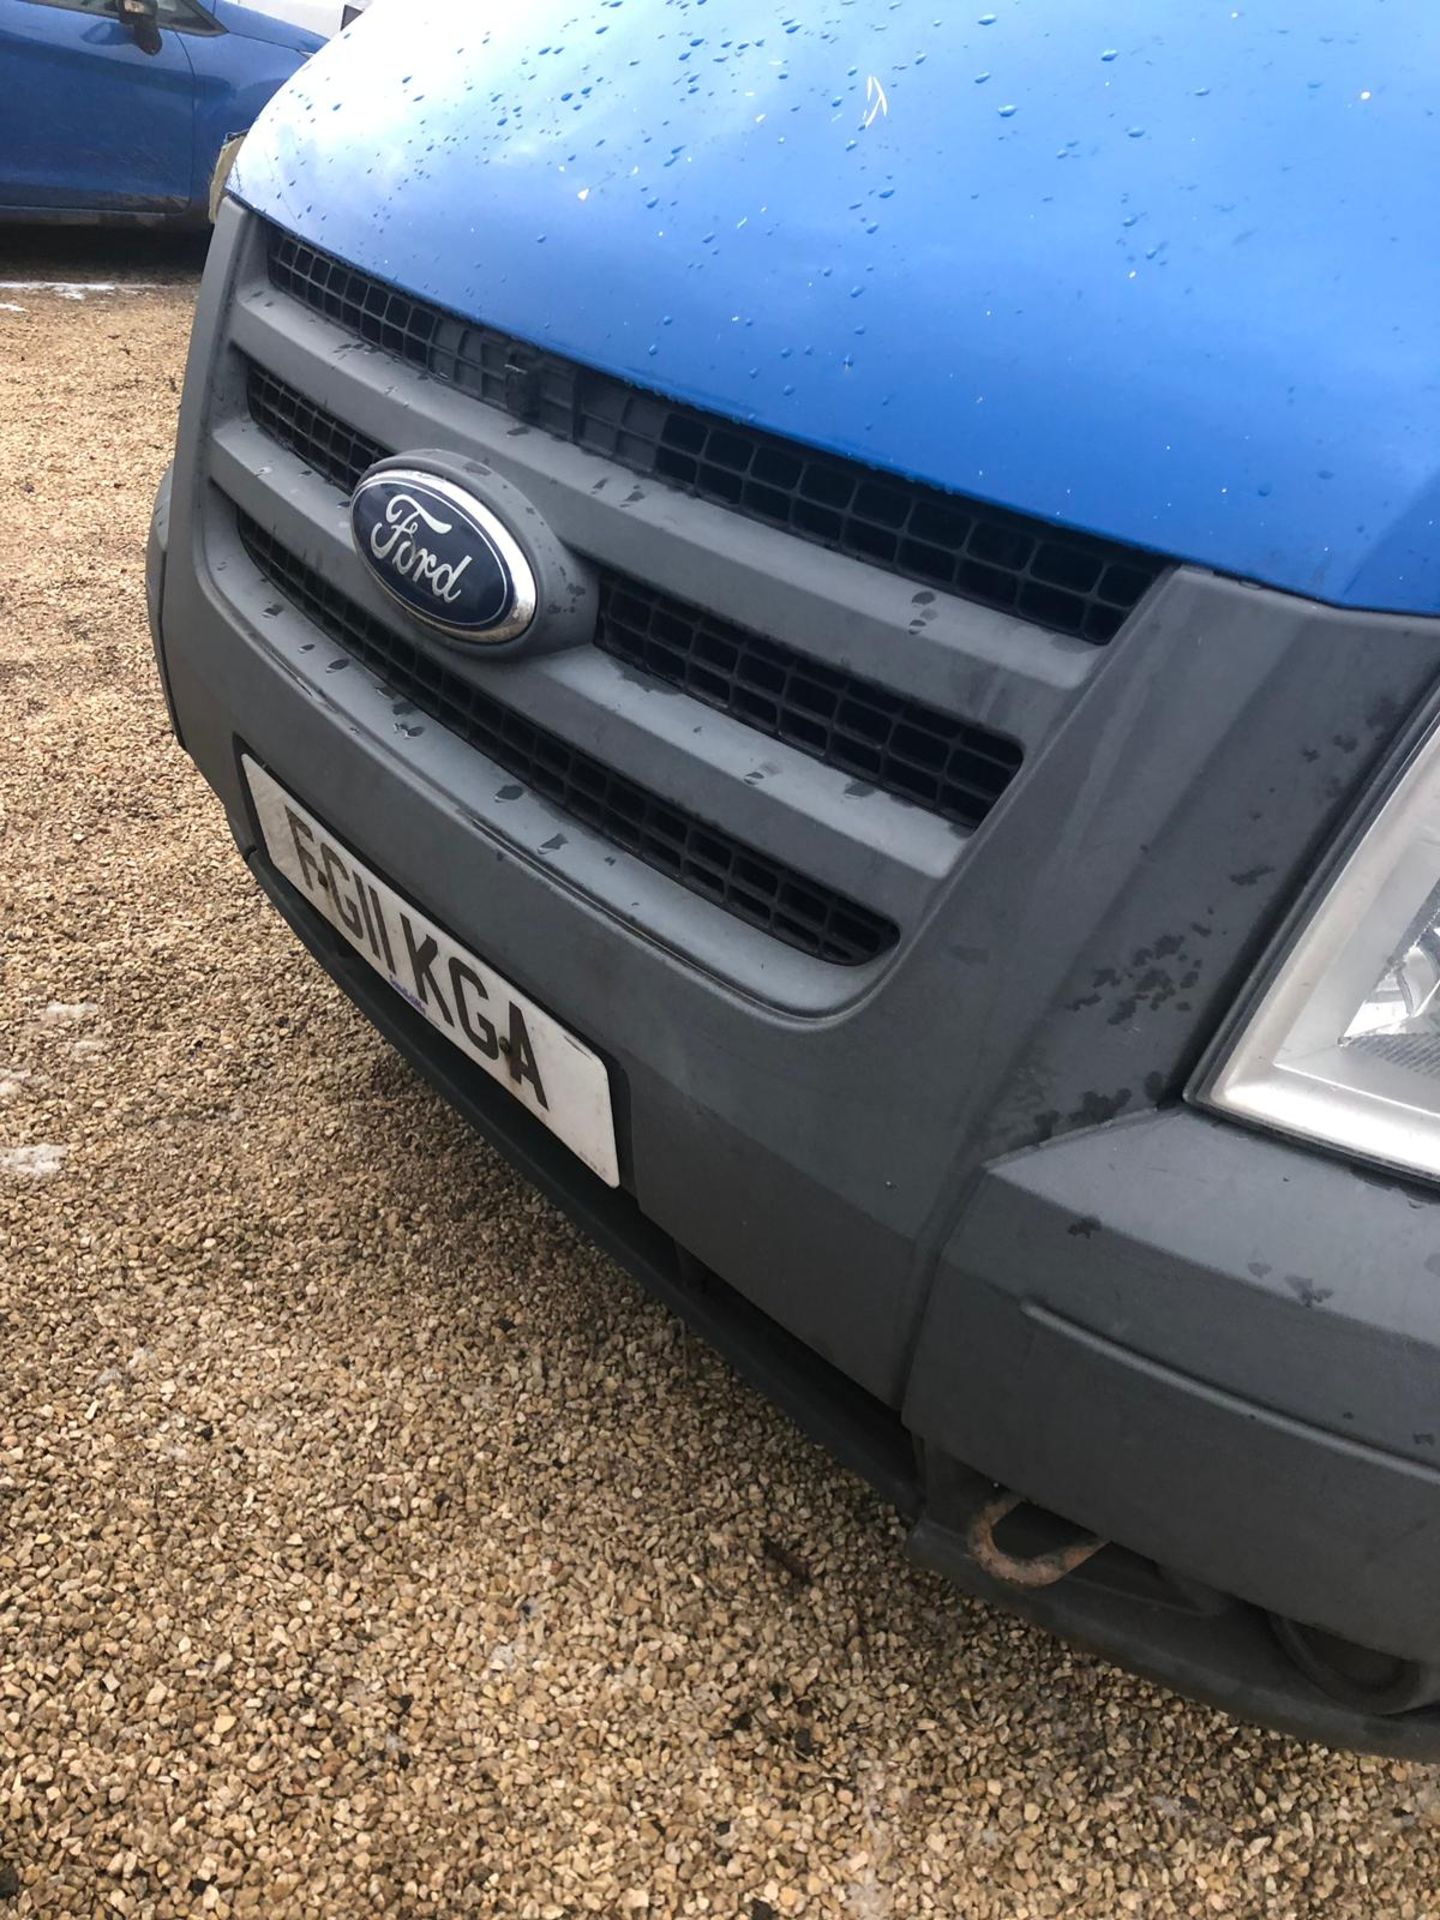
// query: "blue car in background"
[[119, 110]]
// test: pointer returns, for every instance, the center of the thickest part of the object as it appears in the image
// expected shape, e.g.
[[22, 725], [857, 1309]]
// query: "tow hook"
[[1021, 1570]]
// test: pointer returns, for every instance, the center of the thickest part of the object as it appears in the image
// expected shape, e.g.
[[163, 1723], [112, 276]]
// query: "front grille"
[[883, 739], [900, 745], [749, 884], [1072, 583], [321, 441]]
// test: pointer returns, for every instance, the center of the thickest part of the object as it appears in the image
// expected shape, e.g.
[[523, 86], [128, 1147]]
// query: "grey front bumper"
[[950, 1210]]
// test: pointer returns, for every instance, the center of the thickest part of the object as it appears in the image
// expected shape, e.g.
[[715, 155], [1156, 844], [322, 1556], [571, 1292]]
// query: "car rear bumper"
[[947, 1207]]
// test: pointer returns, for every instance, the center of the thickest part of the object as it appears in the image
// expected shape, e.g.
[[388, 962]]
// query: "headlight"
[[1344, 1047]]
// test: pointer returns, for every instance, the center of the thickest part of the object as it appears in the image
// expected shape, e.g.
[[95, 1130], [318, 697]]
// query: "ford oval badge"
[[443, 555]]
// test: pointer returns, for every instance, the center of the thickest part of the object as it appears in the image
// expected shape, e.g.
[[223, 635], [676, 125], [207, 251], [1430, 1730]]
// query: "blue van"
[[120, 110], [832, 619]]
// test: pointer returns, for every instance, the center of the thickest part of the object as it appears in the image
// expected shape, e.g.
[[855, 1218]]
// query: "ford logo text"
[[439, 551]]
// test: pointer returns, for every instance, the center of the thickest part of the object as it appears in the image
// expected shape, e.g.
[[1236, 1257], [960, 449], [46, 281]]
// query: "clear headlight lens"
[[1345, 1046]]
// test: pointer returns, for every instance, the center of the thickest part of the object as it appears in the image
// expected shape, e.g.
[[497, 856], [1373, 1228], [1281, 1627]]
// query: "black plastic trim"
[[900, 745], [705, 859], [1066, 581]]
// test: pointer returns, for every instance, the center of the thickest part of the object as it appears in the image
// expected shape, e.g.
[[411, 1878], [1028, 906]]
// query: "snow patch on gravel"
[[75, 289], [33, 1163], [67, 1013]]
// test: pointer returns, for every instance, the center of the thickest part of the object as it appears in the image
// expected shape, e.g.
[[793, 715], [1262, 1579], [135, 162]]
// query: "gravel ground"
[[368, 1544]]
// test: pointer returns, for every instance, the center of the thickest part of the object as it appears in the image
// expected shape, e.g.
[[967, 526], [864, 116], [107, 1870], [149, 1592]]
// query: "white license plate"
[[533, 1057]]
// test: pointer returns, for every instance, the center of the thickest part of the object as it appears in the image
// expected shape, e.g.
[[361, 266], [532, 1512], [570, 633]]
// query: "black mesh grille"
[[1070, 582], [890, 742], [322, 441], [945, 765], [710, 862]]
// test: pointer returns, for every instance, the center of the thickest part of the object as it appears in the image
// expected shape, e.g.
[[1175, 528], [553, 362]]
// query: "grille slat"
[[801, 912], [888, 740], [852, 725], [1072, 583]]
